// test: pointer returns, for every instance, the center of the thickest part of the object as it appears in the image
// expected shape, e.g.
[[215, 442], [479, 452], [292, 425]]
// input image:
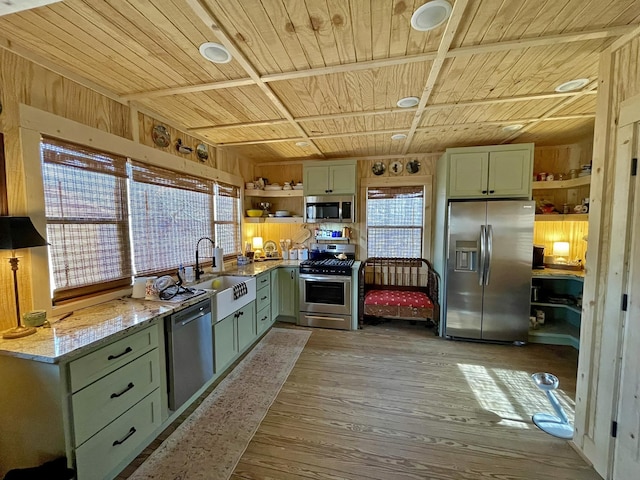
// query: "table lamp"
[[257, 245], [16, 233], [560, 252]]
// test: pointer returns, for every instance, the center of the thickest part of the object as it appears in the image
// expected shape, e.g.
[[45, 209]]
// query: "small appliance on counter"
[[538, 257]]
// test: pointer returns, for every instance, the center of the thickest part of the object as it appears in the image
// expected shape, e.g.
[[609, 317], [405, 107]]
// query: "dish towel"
[[240, 290]]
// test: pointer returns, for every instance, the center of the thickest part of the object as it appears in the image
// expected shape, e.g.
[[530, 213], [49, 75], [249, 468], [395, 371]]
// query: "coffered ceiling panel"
[[558, 132], [375, 89], [585, 104], [255, 133], [439, 139], [370, 123]]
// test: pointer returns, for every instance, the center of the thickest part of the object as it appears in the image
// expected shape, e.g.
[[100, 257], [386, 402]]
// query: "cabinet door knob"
[[484, 192], [492, 191]]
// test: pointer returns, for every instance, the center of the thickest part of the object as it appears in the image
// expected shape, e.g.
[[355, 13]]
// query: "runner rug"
[[210, 442]]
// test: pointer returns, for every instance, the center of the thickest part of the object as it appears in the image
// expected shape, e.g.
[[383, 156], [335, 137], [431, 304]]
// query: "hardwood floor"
[[394, 402]]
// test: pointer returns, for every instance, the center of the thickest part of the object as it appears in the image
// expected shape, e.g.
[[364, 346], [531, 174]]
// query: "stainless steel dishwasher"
[[189, 351]]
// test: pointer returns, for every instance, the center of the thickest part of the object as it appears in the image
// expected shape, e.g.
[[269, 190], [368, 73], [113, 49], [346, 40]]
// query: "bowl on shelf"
[[283, 213], [254, 213]]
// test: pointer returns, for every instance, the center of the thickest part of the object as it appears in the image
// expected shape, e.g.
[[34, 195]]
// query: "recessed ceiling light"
[[398, 136], [302, 144], [408, 102], [512, 128], [430, 15], [214, 52], [572, 85]]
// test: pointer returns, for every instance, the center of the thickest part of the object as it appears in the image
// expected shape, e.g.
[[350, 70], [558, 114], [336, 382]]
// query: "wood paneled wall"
[[23, 82]]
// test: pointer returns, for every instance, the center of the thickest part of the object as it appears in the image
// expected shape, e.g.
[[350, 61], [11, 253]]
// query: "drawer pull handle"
[[126, 350], [132, 430], [240, 314], [263, 319], [129, 387], [263, 298]]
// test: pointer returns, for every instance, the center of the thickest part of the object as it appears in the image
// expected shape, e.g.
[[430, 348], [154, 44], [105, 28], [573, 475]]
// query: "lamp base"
[[18, 332], [553, 425]]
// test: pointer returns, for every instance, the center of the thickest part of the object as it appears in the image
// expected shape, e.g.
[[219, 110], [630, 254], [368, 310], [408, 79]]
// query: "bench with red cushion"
[[398, 288]]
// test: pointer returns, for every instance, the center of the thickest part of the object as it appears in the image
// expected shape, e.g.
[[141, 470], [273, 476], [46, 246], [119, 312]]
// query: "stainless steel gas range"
[[325, 287]]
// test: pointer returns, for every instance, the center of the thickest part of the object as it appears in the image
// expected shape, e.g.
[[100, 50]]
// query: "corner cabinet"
[[324, 178], [499, 171]]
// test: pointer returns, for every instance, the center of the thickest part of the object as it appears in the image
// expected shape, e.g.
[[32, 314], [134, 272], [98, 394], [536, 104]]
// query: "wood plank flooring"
[[393, 401]]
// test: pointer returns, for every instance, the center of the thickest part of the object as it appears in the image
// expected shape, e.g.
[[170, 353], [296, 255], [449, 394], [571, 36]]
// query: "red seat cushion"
[[401, 298]]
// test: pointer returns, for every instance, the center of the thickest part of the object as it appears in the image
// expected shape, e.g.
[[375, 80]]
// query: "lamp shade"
[[561, 249], [257, 243], [19, 232]]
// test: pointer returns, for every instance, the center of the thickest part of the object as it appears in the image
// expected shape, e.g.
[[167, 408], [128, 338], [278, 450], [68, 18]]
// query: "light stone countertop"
[[91, 327], [104, 323], [558, 273]]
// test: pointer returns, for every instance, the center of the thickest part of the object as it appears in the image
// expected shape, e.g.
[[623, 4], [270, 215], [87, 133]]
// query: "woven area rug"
[[210, 442]]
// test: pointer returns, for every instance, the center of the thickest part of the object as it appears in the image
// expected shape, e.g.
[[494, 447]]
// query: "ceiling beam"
[[203, 12], [427, 128], [445, 42], [522, 43], [547, 115], [389, 111]]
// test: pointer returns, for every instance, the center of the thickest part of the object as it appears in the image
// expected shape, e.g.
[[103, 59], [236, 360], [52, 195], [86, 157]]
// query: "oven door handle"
[[325, 278]]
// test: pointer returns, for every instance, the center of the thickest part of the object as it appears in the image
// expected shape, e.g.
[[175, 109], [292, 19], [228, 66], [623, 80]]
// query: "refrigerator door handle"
[[487, 270], [483, 253]]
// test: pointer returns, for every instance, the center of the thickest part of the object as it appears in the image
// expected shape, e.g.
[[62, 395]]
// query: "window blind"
[[85, 195], [169, 213], [227, 219], [395, 221]]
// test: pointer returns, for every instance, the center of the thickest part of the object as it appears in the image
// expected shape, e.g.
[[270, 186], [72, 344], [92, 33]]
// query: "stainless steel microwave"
[[329, 209]]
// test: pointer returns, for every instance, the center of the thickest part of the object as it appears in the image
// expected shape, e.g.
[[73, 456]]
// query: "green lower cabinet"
[[288, 294], [225, 345], [246, 321], [275, 295], [263, 319]]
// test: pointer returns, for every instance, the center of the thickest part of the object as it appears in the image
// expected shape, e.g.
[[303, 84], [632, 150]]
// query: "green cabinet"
[[225, 347], [275, 295], [246, 326], [502, 171], [288, 294], [321, 178]]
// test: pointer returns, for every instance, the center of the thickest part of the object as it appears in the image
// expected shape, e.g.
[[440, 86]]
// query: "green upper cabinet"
[[324, 178], [501, 171]]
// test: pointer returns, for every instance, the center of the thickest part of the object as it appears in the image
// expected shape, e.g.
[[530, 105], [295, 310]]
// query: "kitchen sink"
[[224, 298]]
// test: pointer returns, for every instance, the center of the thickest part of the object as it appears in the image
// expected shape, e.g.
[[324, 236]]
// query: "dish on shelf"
[[298, 187], [283, 213], [254, 213], [272, 187], [270, 248]]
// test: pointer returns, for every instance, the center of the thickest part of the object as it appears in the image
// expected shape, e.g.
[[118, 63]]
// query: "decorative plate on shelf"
[[160, 136], [396, 167], [378, 168], [413, 166], [270, 248], [202, 151]]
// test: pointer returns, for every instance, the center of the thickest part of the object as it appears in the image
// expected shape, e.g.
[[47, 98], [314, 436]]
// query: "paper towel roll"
[[138, 290], [218, 257]]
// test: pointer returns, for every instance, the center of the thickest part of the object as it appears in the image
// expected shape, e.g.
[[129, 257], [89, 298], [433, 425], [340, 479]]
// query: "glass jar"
[[574, 173]]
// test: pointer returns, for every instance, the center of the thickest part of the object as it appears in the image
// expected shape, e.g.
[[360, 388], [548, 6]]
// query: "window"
[[395, 217], [108, 217], [85, 195], [168, 215]]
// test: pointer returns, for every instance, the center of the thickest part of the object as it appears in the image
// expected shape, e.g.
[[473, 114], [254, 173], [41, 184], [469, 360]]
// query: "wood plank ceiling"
[[329, 72]]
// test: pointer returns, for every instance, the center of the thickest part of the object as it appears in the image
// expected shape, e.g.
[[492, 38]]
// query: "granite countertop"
[[91, 327], [558, 272]]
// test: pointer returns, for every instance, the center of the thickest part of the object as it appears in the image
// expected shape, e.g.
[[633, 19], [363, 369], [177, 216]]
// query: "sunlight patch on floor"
[[511, 394]]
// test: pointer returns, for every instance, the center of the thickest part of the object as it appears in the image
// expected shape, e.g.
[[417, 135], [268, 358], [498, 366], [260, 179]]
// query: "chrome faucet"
[[213, 258]]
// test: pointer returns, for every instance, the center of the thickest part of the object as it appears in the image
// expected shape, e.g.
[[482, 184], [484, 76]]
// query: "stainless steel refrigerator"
[[488, 278]]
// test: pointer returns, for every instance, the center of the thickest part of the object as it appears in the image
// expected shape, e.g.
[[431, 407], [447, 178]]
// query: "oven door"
[[329, 294]]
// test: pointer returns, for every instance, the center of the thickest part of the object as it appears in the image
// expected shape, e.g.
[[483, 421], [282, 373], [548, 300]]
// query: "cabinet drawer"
[[105, 400], [96, 365], [264, 319], [263, 298], [263, 280], [104, 451]]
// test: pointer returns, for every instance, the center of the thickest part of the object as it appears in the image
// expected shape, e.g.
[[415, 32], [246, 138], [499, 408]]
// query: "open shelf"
[[273, 220], [571, 183], [273, 193], [556, 334], [569, 217], [571, 308]]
